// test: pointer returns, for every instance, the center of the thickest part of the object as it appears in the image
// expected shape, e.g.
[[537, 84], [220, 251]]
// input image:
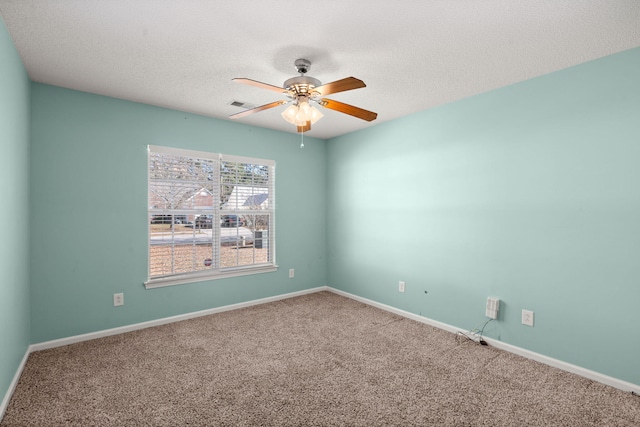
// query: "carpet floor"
[[315, 360]]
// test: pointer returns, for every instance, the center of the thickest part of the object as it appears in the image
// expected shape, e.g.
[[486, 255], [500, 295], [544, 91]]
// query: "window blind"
[[210, 215]]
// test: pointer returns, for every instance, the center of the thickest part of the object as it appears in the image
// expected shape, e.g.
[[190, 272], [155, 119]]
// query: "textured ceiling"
[[413, 55]]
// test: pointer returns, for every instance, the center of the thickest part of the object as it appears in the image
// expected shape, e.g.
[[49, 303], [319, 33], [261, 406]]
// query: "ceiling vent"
[[241, 104]]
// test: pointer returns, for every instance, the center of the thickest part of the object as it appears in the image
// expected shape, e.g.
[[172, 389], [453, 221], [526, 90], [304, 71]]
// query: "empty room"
[[291, 213]]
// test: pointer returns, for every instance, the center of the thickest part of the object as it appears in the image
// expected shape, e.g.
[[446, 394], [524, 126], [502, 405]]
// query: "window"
[[210, 216]]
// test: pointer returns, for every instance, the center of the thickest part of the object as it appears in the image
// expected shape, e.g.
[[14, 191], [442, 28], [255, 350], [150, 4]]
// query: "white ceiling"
[[413, 54]]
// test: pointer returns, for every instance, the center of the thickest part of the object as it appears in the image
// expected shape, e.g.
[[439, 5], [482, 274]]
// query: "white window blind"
[[210, 216]]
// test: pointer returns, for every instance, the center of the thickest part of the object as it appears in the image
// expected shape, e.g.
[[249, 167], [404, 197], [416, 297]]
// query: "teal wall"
[[14, 199], [89, 219], [530, 193]]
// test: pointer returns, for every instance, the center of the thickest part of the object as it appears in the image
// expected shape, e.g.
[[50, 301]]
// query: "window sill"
[[181, 280]]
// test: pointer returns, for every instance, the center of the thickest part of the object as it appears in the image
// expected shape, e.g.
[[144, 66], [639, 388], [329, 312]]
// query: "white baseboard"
[[568, 367], [397, 311], [574, 369], [592, 375], [14, 383], [122, 329]]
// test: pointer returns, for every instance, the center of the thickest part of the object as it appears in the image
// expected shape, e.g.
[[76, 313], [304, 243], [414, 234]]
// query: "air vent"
[[241, 104]]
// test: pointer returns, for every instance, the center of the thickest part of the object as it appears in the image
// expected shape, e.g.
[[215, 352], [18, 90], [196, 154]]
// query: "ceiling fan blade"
[[305, 127], [348, 109], [345, 84], [261, 85], [257, 109]]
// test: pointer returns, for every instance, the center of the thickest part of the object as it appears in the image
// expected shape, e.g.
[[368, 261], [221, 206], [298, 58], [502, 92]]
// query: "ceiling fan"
[[303, 91]]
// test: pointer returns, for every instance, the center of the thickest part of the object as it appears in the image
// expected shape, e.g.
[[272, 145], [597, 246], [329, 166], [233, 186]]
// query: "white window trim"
[[161, 282], [214, 274]]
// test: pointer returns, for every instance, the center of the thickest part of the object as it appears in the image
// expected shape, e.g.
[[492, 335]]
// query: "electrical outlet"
[[527, 317], [292, 273], [118, 299], [401, 286]]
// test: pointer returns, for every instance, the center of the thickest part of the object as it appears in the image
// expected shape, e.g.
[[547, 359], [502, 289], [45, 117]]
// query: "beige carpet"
[[315, 360]]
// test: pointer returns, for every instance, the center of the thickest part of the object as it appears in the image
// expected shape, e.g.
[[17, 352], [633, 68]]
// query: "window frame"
[[217, 272]]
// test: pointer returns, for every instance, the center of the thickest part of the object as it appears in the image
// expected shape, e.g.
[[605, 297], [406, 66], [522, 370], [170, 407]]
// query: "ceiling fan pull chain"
[[301, 139]]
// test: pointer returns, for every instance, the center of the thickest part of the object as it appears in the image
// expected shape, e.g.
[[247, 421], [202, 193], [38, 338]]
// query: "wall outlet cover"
[[118, 299], [527, 317]]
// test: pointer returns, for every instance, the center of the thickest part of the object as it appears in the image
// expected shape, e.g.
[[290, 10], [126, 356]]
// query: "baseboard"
[[565, 366], [574, 369], [123, 329], [592, 375], [134, 327], [12, 386]]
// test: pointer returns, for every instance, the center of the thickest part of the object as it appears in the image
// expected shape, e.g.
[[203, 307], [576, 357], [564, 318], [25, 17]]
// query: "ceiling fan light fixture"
[[301, 113], [290, 114], [315, 115], [304, 111], [300, 119]]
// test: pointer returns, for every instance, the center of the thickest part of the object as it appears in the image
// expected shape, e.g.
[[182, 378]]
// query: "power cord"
[[476, 333]]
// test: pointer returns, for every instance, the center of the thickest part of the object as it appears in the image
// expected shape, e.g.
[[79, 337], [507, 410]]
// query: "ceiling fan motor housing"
[[302, 84]]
